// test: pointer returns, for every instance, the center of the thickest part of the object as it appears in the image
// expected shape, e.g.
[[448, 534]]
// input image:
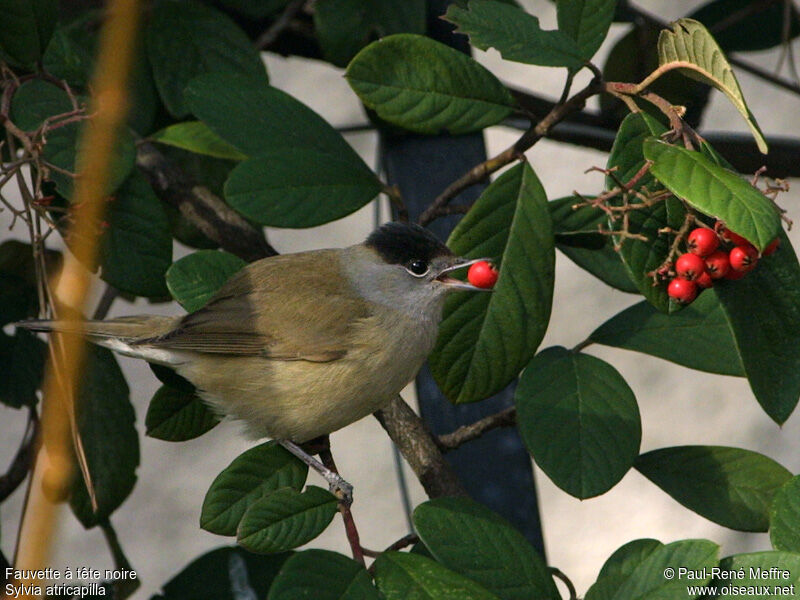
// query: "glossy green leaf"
[[224, 574], [286, 519], [405, 576], [425, 86], [764, 312], [299, 188], [698, 337], [36, 100], [732, 487], [136, 247], [195, 278], [343, 27], [620, 566], [27, 27], [586, 22], [784, 518], [106, 423], [641, 257], [647, 581], [22, 359], [322, 575], [579, 419], [177, 416], [763, 575], [763, 28], [691, 48], [715, 191], [185, 39], [485, 339], [251, 476], [605, 264], [516, 34], [195, 136], [67, 58], [470, 539]]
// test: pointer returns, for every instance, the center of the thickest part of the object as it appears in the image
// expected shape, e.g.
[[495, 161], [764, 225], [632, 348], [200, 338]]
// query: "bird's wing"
[[278, 308]]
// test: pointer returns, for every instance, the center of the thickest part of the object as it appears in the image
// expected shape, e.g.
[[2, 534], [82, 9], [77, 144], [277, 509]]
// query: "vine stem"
[[350, 528]]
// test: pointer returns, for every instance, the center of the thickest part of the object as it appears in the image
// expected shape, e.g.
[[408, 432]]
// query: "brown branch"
[[219, 222], [418, 447], [282, 22], [467, 433], [396, 198], [483, 170], [344, 507]]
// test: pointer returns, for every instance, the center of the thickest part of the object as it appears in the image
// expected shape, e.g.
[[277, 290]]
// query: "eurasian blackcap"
[[300, 345]]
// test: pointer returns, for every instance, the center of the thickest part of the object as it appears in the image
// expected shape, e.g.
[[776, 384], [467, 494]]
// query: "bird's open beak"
[[457, 284]]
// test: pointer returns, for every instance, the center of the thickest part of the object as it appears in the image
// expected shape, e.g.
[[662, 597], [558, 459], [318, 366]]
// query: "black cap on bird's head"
[[401, 243], [420, 252]]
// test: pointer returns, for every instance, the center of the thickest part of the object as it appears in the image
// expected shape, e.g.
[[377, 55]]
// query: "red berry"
[[482, 275], [718, 264], [689, 266], [728, 235], [682, 290], [743, 258], [702, 241], [704, 280], [772, 247]]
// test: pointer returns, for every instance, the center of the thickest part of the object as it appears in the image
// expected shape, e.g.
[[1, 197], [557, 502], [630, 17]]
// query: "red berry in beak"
[[482, 275]]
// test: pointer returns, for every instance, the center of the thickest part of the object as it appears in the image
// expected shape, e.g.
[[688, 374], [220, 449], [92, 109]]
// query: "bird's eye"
[[418, 267]]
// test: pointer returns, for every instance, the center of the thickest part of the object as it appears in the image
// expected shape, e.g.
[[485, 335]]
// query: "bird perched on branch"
[[300, 345]]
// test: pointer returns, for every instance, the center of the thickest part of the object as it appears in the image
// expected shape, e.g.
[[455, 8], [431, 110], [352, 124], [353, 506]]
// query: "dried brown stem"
[[344, 508], [467, 433]]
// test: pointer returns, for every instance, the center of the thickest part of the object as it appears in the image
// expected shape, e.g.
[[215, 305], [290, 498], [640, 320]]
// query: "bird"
[[297, 346]]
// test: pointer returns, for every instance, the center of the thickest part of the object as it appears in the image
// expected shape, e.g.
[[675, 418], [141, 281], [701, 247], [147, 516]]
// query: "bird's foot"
[[340, 488]]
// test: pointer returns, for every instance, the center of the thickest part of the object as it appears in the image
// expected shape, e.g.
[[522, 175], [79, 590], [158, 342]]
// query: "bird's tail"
[[120, 334]]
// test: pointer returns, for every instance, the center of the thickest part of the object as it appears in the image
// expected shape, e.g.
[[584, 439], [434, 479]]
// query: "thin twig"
[[347, 516], [396, 198], [466, 433], [559, 574], [282, 22], [123, 587]]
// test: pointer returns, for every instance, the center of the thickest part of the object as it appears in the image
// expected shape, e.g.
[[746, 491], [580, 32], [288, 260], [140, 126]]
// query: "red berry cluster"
[[713, 254]]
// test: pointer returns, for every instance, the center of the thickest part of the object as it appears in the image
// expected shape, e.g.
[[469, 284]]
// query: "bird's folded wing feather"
[[277, 308]]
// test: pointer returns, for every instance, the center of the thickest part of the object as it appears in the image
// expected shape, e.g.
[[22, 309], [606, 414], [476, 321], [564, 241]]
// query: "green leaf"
[[764, 313], [515, 34], [286, 519], [18, 297], [106, 423], [470, 539], [784, 518], [620, 566], [605, 264], [246, 112], [485, 339], [62, 151], [691, 48], [251, 476], [177, 416], [715, 191], [765, 575], [22, 359], [647, 581], [185, 39], [343, 27], [579, 419], [136, 248], [761, 30], [68, 55], [195, 136], [729, 486], [322, 575], [36, 100], [226, 573], [405, 576], [698, 337], [586, 22], [424, 86], [27, 27], [639, 257], [299, 188], [195, 278]]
